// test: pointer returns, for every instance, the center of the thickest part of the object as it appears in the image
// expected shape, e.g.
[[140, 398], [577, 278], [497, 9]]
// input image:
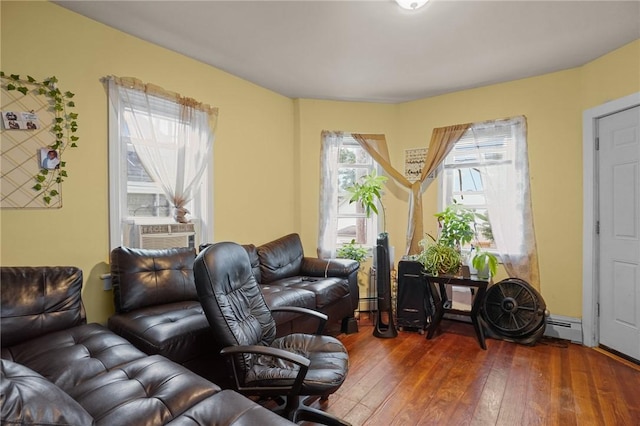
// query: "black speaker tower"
[[383, 287]]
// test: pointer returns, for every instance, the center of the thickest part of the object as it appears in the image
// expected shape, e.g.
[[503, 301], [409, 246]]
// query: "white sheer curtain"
[[506, 186], [328, 223], [172, 135]]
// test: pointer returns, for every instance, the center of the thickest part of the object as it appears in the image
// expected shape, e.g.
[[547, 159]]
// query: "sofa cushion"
[[70, 357], [145, 277], [150, 390], [180, 331], [280, 258], [326, 290], [229, 408], [278, 296], [39, 300], [30, 399]]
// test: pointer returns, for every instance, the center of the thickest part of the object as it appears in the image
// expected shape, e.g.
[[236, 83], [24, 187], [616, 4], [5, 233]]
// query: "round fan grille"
[[513, 308]]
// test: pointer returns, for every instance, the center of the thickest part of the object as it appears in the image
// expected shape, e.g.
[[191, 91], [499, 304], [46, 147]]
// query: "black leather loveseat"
[[59, 370]]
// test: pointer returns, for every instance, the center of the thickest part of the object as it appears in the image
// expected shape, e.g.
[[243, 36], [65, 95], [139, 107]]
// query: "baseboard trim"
[[566, 328]]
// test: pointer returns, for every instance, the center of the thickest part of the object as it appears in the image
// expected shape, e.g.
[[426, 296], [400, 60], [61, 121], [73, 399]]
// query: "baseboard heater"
[[566, 328]]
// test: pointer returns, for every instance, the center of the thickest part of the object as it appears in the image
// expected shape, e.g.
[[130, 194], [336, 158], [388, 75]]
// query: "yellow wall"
[[254, 171], [267, 146]]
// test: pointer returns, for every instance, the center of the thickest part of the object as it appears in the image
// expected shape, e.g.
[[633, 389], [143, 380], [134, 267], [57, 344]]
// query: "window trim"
[[203, 199]]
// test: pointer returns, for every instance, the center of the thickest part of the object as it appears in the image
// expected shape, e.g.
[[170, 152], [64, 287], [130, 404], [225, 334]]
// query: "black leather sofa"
[[329, 286], [57, 369], [157, 307]]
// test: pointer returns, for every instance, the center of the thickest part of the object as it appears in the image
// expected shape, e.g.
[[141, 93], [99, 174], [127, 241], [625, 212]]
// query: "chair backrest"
[[232, 300], [146, 277]]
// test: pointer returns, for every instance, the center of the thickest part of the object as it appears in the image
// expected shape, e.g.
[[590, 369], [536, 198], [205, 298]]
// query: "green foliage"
[[353, 251], [485, 259], [368, 192], [457, 226], [438, 258], [64, 128]]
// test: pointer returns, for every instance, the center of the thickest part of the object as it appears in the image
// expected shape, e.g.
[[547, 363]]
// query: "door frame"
[[590, 258]]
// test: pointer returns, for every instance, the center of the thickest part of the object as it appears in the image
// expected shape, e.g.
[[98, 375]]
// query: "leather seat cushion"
[[30, 399], [277, 296], [327, 290], [229, 408], [327, 370], [91, 349], [110, 378], [180, 331], [149, 390]]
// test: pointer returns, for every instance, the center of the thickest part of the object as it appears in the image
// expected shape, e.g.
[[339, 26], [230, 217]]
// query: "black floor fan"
[[515, 311], [383, 287]]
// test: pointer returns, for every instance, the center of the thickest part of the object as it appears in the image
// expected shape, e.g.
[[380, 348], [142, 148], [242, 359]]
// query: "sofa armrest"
[[315, 267]]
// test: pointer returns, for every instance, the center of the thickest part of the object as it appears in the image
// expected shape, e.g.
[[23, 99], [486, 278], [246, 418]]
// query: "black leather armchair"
[[243, 327]]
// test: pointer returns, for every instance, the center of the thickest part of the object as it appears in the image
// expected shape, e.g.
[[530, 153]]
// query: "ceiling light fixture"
[[411, 4]]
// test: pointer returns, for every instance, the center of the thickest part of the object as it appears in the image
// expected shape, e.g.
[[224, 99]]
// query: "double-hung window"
[[160, 168], [344, 162], [485, 173], [462, 181]]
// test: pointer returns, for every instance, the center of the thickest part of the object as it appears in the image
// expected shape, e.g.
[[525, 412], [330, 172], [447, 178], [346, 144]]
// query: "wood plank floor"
[[450, 380]]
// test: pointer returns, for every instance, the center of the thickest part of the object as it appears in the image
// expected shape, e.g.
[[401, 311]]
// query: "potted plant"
[[368, 193], [353, 251], [456, 226], [438, 258], [485, 262]]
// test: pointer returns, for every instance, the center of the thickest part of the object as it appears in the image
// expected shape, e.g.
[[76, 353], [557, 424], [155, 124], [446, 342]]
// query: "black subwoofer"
[[414, 305]]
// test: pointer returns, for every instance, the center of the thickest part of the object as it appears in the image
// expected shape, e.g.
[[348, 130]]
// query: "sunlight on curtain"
[[507, 191], [328, 223], [172, 135]]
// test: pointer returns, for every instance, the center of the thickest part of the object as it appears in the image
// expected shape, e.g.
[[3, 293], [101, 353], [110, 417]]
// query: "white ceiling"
[[374, 50]]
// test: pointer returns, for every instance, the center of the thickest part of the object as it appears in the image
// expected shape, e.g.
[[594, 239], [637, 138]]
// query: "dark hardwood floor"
[[450, 380]]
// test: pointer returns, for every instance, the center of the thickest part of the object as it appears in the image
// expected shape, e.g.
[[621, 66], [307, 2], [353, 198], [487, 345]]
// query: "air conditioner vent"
[[161, 236]]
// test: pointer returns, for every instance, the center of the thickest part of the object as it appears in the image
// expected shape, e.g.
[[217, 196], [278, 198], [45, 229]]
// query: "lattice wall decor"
[[35, 121]]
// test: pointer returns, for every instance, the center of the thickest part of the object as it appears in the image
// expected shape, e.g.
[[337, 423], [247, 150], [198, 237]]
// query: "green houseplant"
[[368, 192], [353, 251], [438, 258], [485, 262], [456, 225]]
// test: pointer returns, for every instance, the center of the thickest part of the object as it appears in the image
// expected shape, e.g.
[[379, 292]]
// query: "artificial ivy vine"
[[64, 127]]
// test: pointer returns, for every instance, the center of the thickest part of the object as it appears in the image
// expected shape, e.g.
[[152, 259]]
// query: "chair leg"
[[297, 410], [309, 414]]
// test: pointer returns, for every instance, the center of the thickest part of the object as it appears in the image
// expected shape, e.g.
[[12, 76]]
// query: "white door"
[[619, 218]]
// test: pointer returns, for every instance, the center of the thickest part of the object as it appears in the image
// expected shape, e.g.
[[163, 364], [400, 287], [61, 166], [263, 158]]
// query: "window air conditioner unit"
[[161, 236]]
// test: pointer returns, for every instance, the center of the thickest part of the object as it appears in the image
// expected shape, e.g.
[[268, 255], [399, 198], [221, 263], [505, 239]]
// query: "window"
[[343, 162], [484, 149], [154, 163], [353, 163]]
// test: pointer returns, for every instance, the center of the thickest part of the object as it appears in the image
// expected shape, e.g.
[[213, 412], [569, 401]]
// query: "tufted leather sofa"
[[57, 369], [327, 285]]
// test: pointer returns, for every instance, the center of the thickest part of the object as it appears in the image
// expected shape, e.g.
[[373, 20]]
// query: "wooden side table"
[[442, 302]]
